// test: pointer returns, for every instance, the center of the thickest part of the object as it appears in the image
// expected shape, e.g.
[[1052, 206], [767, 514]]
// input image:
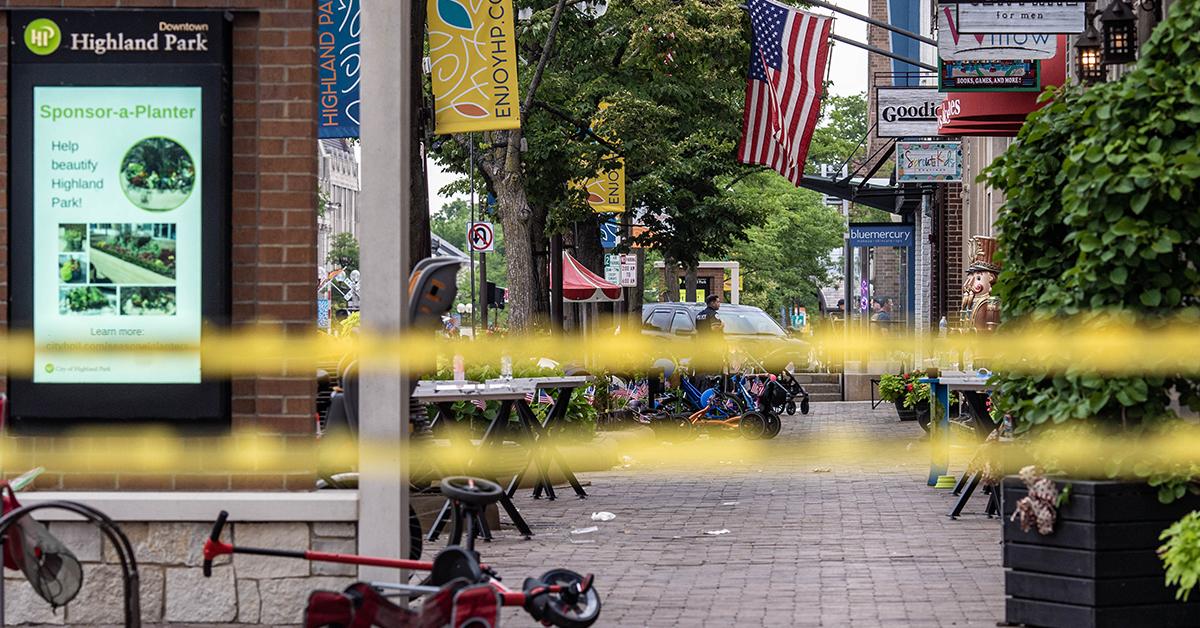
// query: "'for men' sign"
[[1021, 17], [906, 111]]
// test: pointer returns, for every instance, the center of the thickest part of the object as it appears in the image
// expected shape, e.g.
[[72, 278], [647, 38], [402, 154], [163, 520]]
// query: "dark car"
[[745, 326]]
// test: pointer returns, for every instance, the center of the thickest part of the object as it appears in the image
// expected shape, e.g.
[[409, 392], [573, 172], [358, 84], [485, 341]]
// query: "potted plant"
[[1094, 187], [916, 399], [892, 390]]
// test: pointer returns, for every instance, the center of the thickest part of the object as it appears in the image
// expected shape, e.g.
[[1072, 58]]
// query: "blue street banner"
[[338, 67], [323, 321], [877, 234], [610, 231]]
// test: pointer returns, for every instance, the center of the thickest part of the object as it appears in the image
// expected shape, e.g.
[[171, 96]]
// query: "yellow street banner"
[[606, 190], [473, 60]]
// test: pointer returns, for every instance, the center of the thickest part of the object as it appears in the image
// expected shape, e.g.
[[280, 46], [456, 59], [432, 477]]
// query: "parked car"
[[746, 327]]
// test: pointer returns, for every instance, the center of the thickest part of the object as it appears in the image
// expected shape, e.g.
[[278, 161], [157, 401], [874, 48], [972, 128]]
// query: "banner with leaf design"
[[606, 190], [472, 52]]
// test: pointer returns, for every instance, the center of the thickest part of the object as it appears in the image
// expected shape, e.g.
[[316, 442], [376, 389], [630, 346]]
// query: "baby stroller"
[[793, 392]]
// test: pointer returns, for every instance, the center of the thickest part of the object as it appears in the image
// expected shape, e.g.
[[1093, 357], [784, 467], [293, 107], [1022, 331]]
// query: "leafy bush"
[[1102, 188], [1181, 554], [915, 393], [891, 387]]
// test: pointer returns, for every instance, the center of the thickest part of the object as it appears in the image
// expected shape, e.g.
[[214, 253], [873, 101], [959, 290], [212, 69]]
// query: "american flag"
[[479, 403], [589, 393], [783, 89], [640, 391], [542, 397]]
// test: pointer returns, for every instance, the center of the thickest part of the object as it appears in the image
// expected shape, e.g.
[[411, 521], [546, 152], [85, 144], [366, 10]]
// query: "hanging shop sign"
[[119, 223], [1021, 17], [954, 45], [339, 63], [928, 162], [881, 234], [906, 111], [971, 113], [989, 76], [473, 63]]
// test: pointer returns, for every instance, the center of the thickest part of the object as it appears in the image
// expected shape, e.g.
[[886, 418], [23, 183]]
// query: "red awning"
[[583, 286]]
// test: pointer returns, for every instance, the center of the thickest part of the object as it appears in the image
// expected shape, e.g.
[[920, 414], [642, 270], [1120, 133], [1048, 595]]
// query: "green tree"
[[343, 251], [839, 138], [787, 258]]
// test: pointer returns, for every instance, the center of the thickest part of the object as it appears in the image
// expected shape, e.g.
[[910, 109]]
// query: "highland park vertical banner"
[[338, 66], [473, 60]]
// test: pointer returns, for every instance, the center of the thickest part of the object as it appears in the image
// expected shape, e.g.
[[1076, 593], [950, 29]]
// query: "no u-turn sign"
[[481, 237]]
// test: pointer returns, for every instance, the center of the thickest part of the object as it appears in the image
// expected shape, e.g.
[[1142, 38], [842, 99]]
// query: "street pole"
[[471, 227], [556, 283], [388, 128], [483, 292]]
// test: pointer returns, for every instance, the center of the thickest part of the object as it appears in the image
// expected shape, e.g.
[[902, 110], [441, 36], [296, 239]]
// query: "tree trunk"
[[418, 235], [518, 252], [690, 284], [670, 281]]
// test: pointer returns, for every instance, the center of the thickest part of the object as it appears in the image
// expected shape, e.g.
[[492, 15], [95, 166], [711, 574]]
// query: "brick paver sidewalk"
[[810, 543]]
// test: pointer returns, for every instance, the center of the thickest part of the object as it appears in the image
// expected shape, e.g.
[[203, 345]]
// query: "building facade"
[[338, 184]]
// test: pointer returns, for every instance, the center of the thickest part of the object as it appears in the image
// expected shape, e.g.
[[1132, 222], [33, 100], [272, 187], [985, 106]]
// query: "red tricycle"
[[459, 590]]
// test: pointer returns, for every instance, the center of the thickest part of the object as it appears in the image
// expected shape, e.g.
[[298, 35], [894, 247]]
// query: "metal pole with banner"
[[119, 218]]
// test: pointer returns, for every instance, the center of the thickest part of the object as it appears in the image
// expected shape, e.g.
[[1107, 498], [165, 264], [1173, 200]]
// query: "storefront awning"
[[581, 285]]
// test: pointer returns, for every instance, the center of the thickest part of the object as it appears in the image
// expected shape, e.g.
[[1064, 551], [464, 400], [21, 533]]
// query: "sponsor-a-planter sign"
[[1021, 17], [954, 45], [906, 111], [928, 162]]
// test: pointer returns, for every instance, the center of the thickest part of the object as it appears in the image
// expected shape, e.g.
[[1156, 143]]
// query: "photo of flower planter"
[[87, 301], [72, 268], [71, 237], [133, 253], [147, 301], [157, 174]]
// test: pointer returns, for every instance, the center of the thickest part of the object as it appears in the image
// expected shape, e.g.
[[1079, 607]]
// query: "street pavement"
[[810, 542]]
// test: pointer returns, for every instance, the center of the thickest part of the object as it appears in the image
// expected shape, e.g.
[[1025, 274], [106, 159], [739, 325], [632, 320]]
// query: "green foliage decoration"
[[1102, 188], [1181, 554]]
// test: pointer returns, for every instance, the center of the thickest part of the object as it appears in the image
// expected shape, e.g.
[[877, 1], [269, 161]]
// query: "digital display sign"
[[116, 234], [119, 220]]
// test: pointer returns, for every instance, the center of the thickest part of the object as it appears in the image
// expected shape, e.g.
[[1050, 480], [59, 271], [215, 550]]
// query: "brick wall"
[[876, 64], [950, 249], [274, 170]]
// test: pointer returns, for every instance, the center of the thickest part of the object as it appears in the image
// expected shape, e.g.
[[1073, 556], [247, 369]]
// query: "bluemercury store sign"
[[120, 210]]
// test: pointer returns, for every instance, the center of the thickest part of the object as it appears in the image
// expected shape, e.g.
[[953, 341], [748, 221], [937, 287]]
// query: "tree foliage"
[[839, 138], [787, 258], [343, 251], [1102, 190]]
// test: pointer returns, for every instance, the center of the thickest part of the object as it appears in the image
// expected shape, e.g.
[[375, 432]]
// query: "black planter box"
[[1099, 567]]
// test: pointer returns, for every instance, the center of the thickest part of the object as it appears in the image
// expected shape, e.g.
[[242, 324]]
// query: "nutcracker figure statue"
[[981, 310]]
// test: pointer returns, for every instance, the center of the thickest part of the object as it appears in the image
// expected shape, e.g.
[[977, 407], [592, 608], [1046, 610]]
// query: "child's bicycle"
[[719, 413], [459, 590]]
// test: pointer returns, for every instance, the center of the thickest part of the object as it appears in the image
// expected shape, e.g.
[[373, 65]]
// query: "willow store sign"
[[954, 45], [907, 111]]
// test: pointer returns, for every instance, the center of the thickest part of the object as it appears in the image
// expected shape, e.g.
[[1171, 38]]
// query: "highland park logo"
[[42, 36]]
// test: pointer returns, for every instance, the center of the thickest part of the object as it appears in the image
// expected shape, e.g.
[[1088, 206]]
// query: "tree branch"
[[545, 58], [579, 124]]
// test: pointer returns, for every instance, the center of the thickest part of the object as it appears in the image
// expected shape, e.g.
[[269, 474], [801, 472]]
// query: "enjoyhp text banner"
[[472, 51]]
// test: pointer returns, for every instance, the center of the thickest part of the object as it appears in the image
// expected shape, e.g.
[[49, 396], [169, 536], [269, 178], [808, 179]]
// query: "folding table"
[[544, 452], [442, 394]]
